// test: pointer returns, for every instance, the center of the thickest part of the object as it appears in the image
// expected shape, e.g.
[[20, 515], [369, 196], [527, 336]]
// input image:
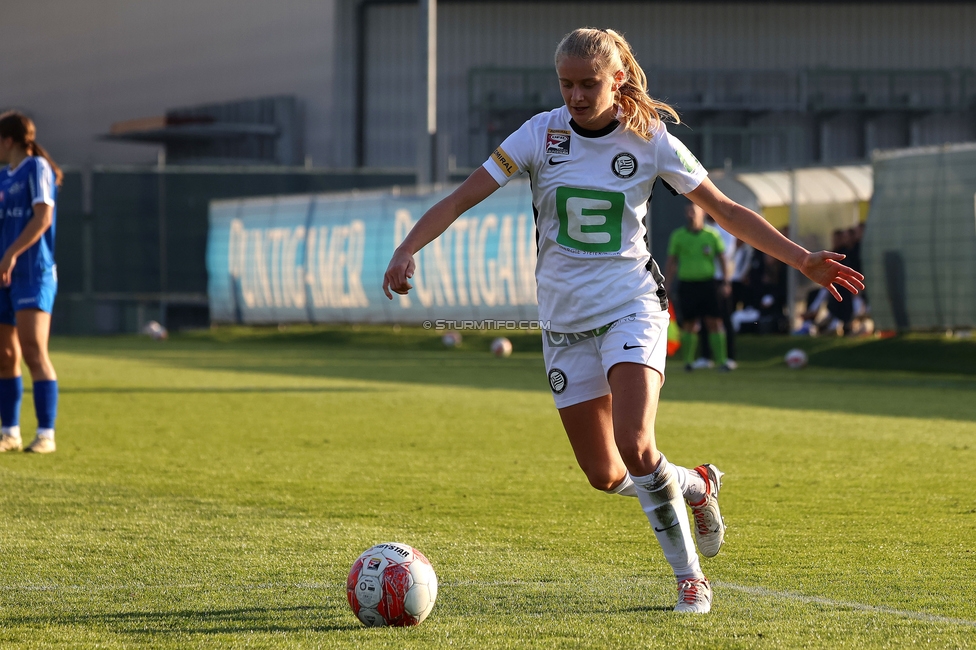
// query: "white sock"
[[13, 432], [625, 489], [45, 433], [692, 485], [661, 500]]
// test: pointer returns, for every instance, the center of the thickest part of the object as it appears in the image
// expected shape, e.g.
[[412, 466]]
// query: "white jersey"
[[589, 192]]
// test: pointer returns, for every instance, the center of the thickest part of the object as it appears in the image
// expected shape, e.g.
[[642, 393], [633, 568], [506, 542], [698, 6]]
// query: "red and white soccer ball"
[[391, 584], [501, 347], [796, 358]]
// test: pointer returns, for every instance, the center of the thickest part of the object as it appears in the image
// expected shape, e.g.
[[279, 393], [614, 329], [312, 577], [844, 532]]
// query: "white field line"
[[753, 591], [840, 604]]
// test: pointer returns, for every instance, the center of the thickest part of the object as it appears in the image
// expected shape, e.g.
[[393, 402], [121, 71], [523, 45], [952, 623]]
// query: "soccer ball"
[[451, 339], [391, 584], [796, 358], [155, 331], [501, 347]]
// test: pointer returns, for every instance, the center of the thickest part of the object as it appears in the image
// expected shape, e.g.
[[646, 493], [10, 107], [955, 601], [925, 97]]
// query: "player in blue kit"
[[28, 280]]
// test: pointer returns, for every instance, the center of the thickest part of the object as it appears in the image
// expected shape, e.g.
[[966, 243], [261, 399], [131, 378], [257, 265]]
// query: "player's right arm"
[[514, 155], [475, 189]]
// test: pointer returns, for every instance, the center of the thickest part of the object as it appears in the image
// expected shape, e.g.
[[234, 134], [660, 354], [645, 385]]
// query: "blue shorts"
[[25, 294]]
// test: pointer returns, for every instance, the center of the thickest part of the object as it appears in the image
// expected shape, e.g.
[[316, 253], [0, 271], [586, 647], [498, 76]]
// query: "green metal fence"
[[131, 242], [920, 242]]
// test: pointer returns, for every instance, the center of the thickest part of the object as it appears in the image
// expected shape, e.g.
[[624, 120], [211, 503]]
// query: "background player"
[[593, 163], [696, 256], [29, 280]]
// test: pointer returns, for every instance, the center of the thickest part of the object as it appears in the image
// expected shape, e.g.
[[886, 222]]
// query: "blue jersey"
[[31, 183]]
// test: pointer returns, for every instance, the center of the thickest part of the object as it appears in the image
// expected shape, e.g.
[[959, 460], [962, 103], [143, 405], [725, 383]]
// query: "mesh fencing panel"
[[920, 240]]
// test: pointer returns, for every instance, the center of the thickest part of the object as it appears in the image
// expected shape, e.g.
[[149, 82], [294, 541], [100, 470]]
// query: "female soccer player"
[[592, 164], [28, 279]]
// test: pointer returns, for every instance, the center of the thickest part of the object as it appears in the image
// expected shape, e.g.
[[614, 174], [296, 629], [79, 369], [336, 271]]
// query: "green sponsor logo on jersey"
[[590, 220], [687, 158]]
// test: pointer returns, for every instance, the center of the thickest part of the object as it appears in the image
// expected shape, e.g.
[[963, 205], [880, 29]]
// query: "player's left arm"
[[32, 232], [822, 267]]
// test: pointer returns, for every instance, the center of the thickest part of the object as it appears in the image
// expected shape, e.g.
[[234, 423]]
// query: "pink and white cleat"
[[694, 596], [709, 525]]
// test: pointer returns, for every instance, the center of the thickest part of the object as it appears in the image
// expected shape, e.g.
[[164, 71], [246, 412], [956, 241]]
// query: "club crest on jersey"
[[557, 380], [557, 142], [624, 165]]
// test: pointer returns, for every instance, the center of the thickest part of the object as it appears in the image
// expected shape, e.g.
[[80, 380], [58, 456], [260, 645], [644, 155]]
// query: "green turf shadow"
[[763, 380]]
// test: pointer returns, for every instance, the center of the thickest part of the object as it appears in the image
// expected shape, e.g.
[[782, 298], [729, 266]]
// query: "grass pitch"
[[213, 490]]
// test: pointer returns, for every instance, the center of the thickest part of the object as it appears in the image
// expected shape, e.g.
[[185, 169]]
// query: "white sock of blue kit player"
[[691, 483], [660, 497], [626, 488]]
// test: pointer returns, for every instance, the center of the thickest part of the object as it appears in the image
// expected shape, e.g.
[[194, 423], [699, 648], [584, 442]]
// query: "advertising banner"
[[321, 258]]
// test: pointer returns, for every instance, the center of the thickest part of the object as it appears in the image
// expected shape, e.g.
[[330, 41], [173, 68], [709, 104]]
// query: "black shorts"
[[699, 300]]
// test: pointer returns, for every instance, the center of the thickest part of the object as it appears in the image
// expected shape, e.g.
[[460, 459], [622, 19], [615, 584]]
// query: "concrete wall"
[[77, 67]]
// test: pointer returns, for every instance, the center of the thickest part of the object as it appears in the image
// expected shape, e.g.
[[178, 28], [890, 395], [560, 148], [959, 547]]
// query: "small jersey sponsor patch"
[[557, 142], [630, 318], [624, 165], [557, 380], [505, 162], [686, 157]]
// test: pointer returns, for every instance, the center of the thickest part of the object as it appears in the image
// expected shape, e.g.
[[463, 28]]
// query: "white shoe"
[[731, 364], [10, 443], [701, 363], [694, 596], [41, 446], [709, 525]]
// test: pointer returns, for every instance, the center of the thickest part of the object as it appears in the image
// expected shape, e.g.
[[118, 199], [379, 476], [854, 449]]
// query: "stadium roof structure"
[[264, 130], [846, 184]]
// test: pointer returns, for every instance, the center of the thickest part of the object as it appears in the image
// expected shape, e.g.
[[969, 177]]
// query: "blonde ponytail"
[[639, 111]]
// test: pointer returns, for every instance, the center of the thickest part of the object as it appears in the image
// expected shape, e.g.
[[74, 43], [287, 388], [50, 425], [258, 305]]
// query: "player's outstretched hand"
[[398, 274], [825, 269]]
